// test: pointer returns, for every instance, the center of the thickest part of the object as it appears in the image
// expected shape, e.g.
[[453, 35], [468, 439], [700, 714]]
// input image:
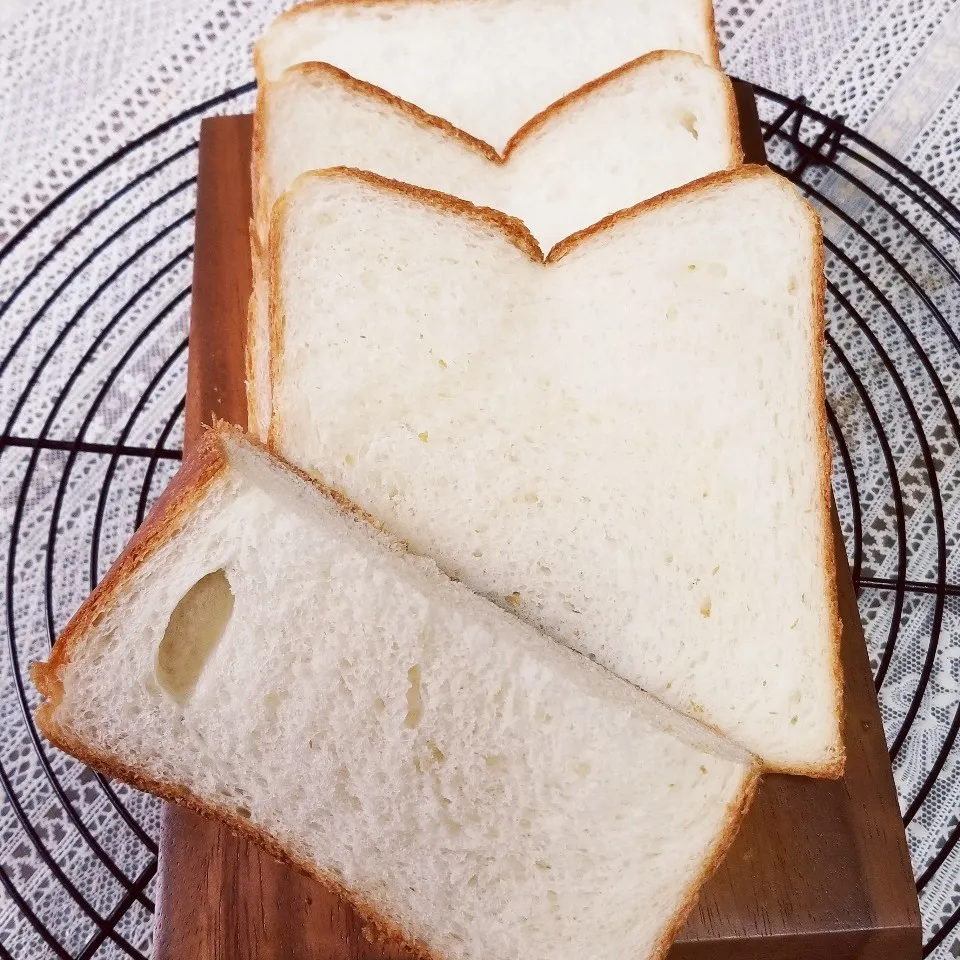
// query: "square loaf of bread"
[[264, 655], [623, 442]]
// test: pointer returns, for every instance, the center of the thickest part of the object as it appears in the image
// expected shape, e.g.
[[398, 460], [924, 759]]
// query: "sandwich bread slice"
[[623, 442], [264, 655], [653, 124], [486, 66]]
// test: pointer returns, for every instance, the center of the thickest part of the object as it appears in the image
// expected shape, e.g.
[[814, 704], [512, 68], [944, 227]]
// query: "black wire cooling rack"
[[96, 291]]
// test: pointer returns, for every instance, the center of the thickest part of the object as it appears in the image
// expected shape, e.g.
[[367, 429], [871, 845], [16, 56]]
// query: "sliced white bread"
[[656, 123], [486, 66], [267, 657], [624, 444]]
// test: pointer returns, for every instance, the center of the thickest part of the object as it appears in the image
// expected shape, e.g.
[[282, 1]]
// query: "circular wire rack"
[[94, 299]]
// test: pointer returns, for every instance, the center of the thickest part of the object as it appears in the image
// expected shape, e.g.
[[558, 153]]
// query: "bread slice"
[[486, 66], [656, 123], [623, 443], [266, 657]]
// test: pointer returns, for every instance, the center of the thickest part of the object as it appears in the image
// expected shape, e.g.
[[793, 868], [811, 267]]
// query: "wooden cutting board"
[[819, 870]]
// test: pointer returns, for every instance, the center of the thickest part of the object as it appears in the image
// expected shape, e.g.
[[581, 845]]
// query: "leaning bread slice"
[[623, 443], [486, 66], [264, 656], [656, 123]]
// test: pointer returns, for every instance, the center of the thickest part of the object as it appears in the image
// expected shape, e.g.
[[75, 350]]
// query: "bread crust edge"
[[835, 769], [259, 236], [832, 767], [253, 387], [736, 814], [262, 209], [201, 469]]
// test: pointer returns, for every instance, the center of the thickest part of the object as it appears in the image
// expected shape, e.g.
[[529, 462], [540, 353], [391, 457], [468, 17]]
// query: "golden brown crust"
[[747, 171], [826, 492], [515, 231], [259, 70], [224, 429], [736, 812], [259, 225], [262, 192], [258, 167], [833, 768], [736, 140], [313, 70], [710, 18], [276, 321], [253, 386], [199, 471], [581, 93]]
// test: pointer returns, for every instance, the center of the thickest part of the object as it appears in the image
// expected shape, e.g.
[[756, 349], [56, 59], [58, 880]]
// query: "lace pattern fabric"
[[94, 299]]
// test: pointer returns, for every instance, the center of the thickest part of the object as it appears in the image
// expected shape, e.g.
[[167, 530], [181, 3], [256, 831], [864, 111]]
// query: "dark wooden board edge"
[[219, 897]]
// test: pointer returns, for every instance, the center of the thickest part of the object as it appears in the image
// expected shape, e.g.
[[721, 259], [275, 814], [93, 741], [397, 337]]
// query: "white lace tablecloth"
[[81, 78]]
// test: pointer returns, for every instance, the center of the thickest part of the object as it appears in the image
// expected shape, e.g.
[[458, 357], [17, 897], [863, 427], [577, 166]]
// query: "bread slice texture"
[[486, 66], [653, 124], [266, 656], [624, 442]]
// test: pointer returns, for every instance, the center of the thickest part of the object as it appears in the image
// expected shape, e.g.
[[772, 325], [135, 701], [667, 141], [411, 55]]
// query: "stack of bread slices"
[[525, 575]]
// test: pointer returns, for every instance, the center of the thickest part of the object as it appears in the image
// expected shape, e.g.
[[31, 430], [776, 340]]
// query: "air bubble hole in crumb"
[[688, 121], [195, 628], [414, 699]]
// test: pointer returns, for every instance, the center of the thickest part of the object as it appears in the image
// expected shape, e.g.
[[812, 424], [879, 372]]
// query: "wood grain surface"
[[819, 870]]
